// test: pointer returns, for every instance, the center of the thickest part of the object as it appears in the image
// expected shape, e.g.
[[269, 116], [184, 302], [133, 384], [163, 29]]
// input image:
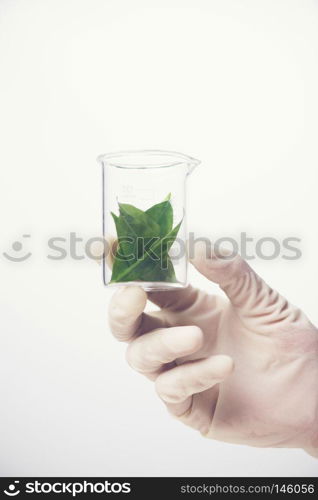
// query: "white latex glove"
[[243, 370]]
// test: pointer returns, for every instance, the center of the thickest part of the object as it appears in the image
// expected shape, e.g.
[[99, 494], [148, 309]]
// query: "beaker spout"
[[192, 164]]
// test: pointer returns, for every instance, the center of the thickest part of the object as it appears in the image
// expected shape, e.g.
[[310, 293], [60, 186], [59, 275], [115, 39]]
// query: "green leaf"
[[126, 237], [138, 222], [157, 273], [171, 236], [135, 229], [144, 241], [145, 268], [162, 214]]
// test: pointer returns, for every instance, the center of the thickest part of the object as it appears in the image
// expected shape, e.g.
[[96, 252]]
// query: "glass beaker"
[[144, 218]]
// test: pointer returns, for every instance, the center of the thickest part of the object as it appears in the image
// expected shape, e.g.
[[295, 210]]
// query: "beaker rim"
[[147, 159]]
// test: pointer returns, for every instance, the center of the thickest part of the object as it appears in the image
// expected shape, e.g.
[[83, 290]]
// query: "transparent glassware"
[[144, 218]]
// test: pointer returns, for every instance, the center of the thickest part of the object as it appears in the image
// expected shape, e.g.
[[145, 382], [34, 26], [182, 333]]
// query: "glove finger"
[[226, 271], [175, 300], [104, 248], [149, 353], [177, 386], [127, 319]]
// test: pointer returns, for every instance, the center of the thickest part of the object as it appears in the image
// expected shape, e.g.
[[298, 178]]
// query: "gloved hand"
[[242, 370]]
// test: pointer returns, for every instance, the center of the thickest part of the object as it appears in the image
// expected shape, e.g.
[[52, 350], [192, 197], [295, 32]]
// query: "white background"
[[233, 83]]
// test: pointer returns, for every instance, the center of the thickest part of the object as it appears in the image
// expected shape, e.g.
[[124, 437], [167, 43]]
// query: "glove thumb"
[[248, 293]]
